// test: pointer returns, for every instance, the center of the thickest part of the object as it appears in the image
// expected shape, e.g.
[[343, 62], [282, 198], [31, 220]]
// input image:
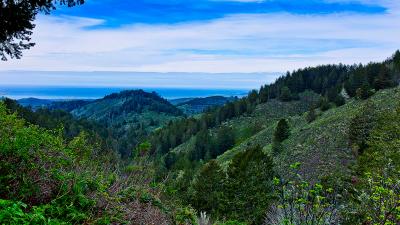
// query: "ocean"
[[59, 92]]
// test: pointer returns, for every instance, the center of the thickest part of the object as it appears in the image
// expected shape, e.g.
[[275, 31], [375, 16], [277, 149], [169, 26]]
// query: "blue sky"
[[206, 37], [118, 13]]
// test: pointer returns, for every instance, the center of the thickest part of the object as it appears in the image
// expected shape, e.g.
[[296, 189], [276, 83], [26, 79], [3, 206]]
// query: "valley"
[[317, 132]]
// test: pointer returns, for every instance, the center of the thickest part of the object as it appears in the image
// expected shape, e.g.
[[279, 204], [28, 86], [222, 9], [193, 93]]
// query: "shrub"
[[300, 202]]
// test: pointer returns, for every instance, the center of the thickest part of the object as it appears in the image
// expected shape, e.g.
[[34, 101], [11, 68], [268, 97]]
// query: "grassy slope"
[[321, 146], [249, 128]]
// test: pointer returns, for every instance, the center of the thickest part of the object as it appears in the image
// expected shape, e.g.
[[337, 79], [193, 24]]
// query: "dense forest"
[[321, 145]]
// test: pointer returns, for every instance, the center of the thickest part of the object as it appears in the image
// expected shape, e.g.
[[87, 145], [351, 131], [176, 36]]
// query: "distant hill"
[[34, 103], [178, 101], [68, 105], [198, 105], [131, 114], [124, 106]]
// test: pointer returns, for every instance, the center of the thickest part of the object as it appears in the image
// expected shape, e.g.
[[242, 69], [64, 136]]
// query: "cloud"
[[242, 43]]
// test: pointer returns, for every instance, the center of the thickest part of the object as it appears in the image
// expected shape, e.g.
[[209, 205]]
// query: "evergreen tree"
[[282, 131], [225, 140], [339, 100], [285, 94], [324, 104], [364, 92], [248, 188], [311, 115], [264, 94], [384, 80], [208, 189]]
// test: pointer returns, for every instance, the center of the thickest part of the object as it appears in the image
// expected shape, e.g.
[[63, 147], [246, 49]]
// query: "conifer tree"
[[208, 189], [282, 131]]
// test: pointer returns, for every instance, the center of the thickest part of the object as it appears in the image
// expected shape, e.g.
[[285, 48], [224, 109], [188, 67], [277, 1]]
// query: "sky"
[[204, 37]]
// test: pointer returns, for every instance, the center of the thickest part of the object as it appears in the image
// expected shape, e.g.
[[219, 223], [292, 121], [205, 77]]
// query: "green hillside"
[[319, 146], [322, 146], [131, 115]]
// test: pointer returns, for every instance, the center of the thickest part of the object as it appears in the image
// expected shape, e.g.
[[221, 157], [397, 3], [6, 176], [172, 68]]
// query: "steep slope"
[[322, 146]]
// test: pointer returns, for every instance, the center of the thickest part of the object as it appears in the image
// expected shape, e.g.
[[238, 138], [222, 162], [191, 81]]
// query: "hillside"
[[130, 114], [34, 102], [322, 146], [67, 105], [332, 126], [319, 146], [199, 105]]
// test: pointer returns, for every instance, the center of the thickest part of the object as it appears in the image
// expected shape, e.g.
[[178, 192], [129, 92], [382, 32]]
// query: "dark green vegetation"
[[321, 145], [34, 103], [198, 105]]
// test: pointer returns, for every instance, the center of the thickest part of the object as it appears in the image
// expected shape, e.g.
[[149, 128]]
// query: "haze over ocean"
[[57, 92], [89, 85]]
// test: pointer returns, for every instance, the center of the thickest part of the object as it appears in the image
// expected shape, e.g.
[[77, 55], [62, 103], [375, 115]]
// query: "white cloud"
[[240, 43]]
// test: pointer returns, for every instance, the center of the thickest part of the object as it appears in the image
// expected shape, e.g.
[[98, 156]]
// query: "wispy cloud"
[[242, 42]]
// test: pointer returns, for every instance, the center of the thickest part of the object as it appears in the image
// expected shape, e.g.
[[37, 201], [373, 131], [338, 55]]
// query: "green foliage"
[[59, 181], [339, 100], [300, 202], [186, 216], [385, 79], [382, 144], [282, 131], [378, 201], [286, 94], [364, 92], [361, 126], [208, 189], [311, 115], [324, 104], [248, 186]]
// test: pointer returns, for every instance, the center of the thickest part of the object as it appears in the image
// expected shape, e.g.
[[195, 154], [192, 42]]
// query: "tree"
[[364, 92], [324, 104], [248, 188], [16, 23], [311, 115], [285, 94], [264, 94], [384, 80], [208, 189], [225, 140], [339, 100], [282, 131], [202, 146]]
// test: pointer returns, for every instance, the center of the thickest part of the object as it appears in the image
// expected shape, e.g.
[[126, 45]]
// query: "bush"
[[300, 202]]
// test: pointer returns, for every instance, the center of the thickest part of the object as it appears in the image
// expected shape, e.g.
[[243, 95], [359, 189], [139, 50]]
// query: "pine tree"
[[282, 131], [248, 188], [208, 189], [384, 80], [285, 94]]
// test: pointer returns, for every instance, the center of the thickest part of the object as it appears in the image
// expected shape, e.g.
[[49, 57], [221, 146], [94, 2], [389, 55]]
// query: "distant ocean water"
[[52, 92]]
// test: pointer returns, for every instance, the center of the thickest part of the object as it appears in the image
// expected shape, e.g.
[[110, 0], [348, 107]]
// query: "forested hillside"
[[321, 118], [321, 145], [199, 105], [130, 115]]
